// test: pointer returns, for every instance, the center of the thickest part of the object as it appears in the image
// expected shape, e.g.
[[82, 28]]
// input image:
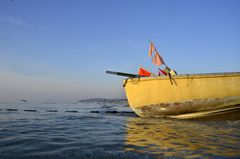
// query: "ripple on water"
[[120, 134]]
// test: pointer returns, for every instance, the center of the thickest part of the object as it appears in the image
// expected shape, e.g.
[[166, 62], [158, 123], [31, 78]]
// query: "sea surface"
[[108, 129]]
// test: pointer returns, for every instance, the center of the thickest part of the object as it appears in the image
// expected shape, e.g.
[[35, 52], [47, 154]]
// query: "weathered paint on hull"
[[157, 97]]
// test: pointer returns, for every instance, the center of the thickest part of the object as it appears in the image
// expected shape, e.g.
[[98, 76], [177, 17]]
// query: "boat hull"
[[184, 94]]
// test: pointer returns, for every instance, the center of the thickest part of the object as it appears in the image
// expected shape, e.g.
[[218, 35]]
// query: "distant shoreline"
[[76, 101], [102, 100]]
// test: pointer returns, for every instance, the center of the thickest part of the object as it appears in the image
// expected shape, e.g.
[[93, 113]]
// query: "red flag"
[[144, 72], [157, 59]]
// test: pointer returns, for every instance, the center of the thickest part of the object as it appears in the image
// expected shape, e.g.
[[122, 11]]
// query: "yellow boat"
[[184, 96]]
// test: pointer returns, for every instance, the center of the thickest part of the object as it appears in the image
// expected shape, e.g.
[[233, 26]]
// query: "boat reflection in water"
[[180, 138]]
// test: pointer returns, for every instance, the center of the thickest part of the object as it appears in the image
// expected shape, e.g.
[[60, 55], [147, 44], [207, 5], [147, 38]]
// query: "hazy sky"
[[60, 49]]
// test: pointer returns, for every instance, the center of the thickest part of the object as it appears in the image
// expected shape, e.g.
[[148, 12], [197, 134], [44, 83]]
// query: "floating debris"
[[127, 113], [115, 112], [124, 113], [94, 111], [112, 112], [23, 100], [29, 110], [71, 111], [11, 109], [51, 111]]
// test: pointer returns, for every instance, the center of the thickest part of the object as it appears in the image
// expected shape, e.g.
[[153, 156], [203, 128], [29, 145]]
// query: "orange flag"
[[157, 59], [144, 72], [151, 49]]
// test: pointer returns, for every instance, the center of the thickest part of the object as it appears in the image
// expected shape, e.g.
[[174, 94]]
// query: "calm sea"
[[108, 129]]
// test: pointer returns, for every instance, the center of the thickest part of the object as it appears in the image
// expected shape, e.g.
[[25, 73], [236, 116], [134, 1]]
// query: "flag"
[[151, 49], [144, 72], [157, 59], [162, 72]]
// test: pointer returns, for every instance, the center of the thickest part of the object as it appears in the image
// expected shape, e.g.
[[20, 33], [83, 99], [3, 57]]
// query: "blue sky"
[[60, 49]]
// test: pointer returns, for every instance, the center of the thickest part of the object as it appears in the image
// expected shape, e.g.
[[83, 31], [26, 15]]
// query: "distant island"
[[101, 100], [88, 100]]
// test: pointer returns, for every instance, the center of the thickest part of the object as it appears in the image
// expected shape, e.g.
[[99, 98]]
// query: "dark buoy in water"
[[23, 100], [71, 111], [112, 112], [29, 110], [51, 111], [94, 111], [11, 109]]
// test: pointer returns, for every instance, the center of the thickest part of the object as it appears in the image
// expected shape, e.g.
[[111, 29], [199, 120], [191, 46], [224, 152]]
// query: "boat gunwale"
[[187, 76]]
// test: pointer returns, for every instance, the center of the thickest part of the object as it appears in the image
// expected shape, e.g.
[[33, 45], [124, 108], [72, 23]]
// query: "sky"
[[60, 49]]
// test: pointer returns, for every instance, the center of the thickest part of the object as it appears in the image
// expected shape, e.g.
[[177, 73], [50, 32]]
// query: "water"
[[108, 129]]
